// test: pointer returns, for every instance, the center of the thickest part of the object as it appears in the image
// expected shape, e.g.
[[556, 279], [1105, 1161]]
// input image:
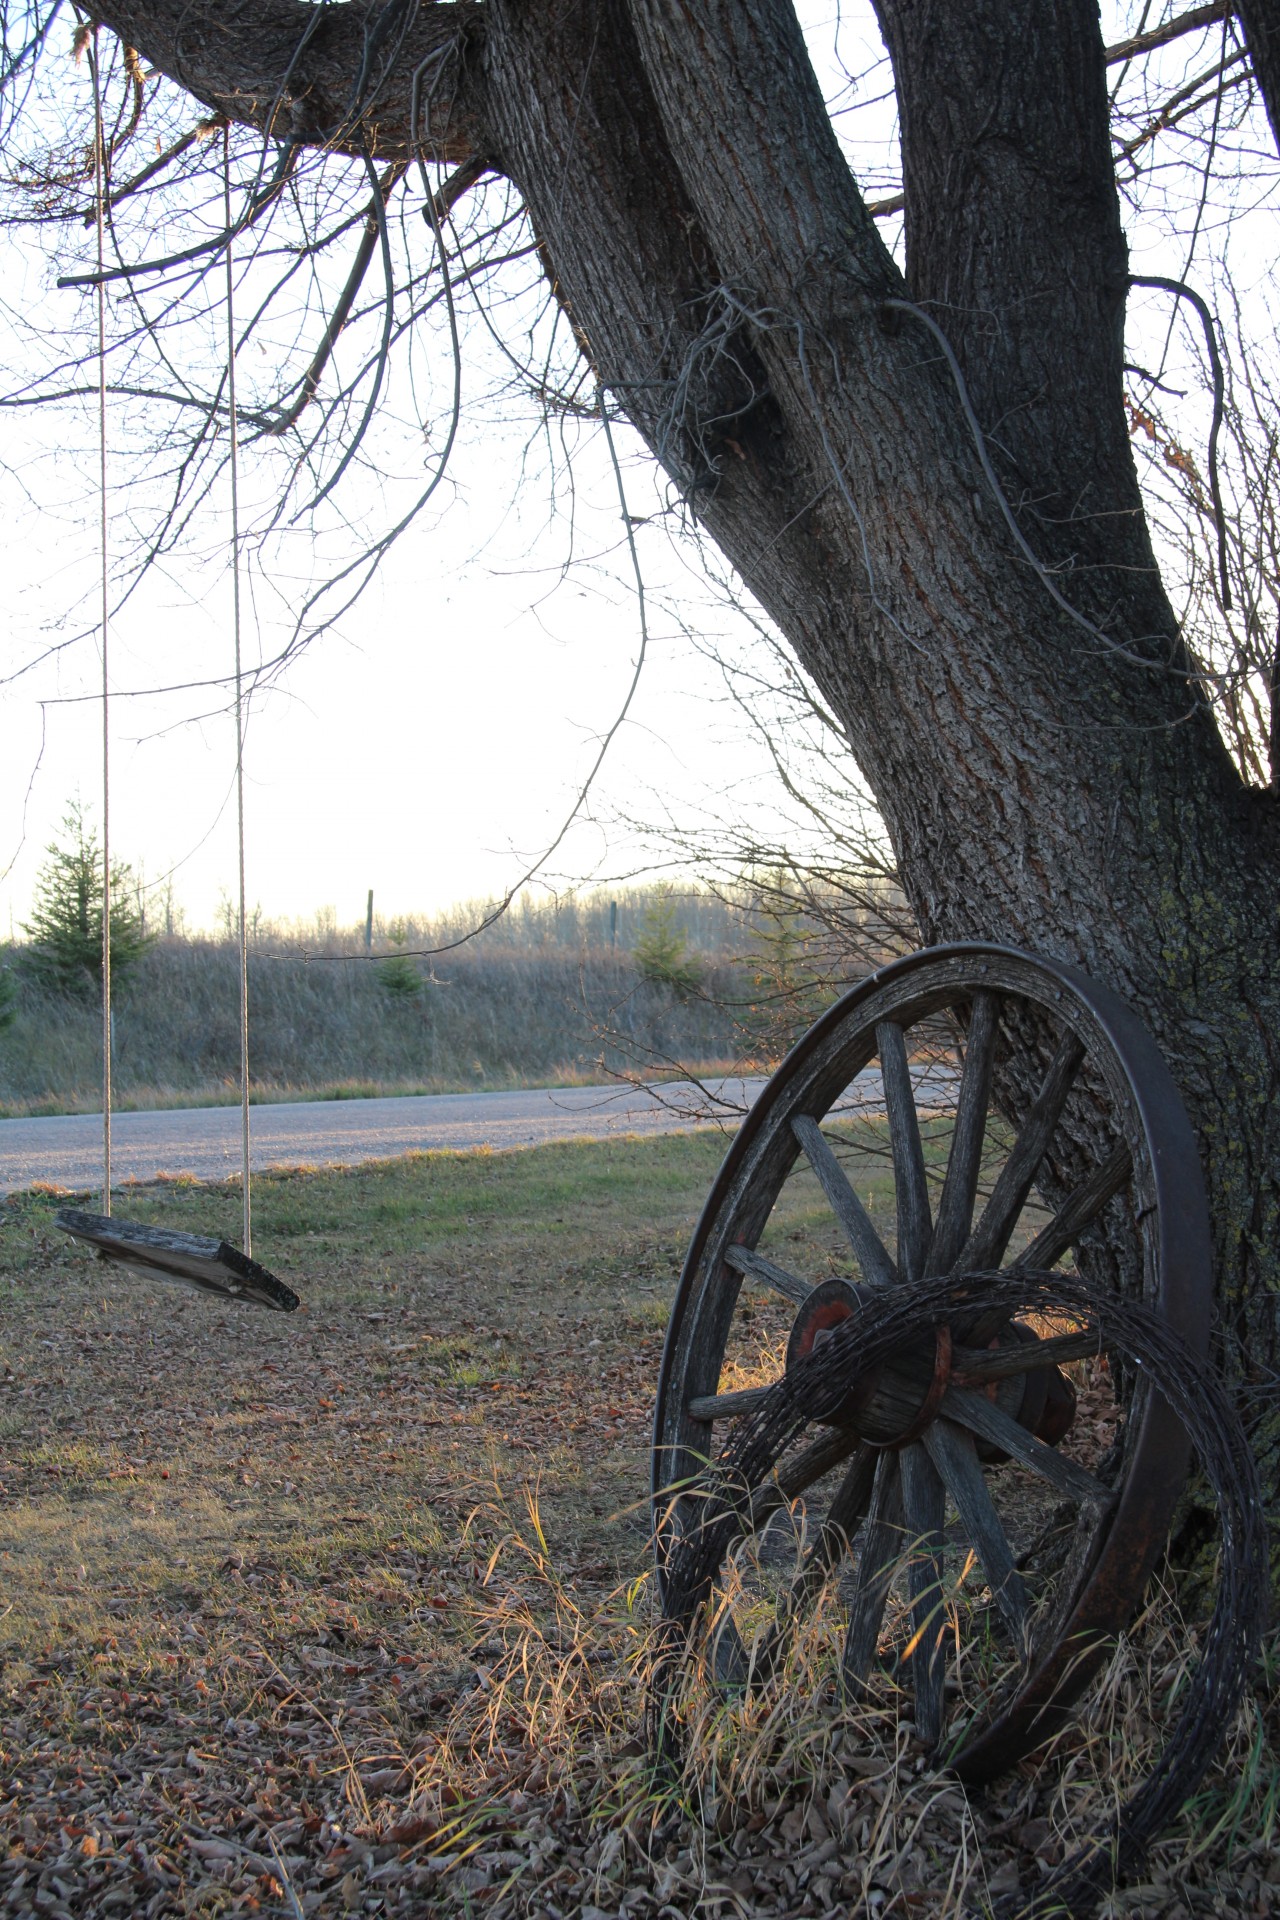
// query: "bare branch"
[[1184, 292], [1189, 22], [174, 151], [254, 209], [341, 312], [460, 182], [1186, 101]]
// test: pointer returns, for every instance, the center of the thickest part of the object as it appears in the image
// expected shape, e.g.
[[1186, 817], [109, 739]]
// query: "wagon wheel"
[[946, 1495]]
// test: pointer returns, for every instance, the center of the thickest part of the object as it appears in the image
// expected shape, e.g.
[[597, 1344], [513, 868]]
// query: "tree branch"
[[337, 76], [1189, 22], [346, 300], [1186, 101], [162, 160]]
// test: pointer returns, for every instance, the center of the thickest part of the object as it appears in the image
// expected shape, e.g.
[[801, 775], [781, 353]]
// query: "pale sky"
[[428, 750]]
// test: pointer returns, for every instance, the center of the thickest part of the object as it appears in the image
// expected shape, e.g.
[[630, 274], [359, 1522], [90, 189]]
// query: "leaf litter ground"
[[348, 1612]]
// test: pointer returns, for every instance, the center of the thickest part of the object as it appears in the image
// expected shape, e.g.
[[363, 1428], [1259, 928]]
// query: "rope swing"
[[99, 174], [234, 429], [209, 1264]]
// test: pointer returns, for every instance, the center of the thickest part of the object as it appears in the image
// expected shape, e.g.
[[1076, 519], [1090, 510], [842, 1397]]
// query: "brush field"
[[333, 1029], [560, 992], [348, 1612]]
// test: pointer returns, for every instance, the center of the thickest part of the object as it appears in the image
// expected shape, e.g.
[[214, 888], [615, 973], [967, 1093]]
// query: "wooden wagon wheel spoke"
[[868, 1248], [1079, 1211], [730, 1660], [987, 1243], [878, 1557], [918, 1414], [952, 1452], [797, 1474], [915, 1221], [960, 1187], [840, 1523], [979, 1366], [728, 1406], [990, 1422], [731, 1657], [924, 1509], [754, 1265]]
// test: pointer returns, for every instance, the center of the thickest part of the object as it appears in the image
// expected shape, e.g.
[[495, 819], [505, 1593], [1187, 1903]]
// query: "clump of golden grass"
[[790, 1799]]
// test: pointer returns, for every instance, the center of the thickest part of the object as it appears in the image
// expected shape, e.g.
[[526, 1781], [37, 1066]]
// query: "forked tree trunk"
[[1053, 782]]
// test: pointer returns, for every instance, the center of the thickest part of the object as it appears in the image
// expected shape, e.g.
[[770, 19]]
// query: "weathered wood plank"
[[730, 1661], [924, 1510], [960, 1187], [840, 1523], [987, 1243], [981, 1364], [881, 1551], [869, 1249], [831, 1449], [983, 1417], [915, 1221], [1077, 1212], [727, 1406], [755, 1266], [952, 1452], [196, 1260]]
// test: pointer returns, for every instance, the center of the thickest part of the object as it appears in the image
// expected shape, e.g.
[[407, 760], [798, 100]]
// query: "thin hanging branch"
[[346, 300], [1184, 292]]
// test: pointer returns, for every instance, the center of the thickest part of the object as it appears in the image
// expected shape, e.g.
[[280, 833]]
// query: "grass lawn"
[[346, 1611]]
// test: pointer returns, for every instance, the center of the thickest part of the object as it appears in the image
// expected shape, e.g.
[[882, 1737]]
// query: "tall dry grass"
[[791, 1800], [485, 1020]]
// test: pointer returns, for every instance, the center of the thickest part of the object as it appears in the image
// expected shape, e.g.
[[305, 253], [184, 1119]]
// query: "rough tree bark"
[[1261, 22], [1055, 784]]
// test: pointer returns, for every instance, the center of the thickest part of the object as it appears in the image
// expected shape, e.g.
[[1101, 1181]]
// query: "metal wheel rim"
[[1172, 1215]]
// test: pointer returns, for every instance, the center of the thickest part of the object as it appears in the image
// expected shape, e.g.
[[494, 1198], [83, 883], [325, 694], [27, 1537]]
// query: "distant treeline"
[[709, 923], [578, 988]]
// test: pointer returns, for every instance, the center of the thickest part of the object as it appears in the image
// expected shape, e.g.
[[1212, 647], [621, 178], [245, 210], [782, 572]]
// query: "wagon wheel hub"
[[889, 1406]]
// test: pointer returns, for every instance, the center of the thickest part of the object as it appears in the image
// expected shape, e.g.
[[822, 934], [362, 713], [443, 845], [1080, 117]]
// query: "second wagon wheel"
[[968, 1110]]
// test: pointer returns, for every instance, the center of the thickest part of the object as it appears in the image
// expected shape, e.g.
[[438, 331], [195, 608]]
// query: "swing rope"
[[201, 1261], [234, 427], [99, 172]]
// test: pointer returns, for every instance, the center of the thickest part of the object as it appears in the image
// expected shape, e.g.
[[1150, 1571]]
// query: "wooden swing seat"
[[196, 1260]]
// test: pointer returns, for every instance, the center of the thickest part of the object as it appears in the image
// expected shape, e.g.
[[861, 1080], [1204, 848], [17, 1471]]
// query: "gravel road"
[[205, 1141]]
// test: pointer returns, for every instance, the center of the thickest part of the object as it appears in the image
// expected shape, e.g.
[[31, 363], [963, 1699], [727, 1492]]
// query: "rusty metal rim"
[[1159, 1452]]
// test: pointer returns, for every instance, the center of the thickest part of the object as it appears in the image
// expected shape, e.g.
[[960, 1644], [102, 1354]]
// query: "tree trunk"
[[1048, 780], [1261, 22]]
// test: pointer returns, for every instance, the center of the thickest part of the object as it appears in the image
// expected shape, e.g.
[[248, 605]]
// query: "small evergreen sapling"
[[662, 953], [65, 928], [399, 973]]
